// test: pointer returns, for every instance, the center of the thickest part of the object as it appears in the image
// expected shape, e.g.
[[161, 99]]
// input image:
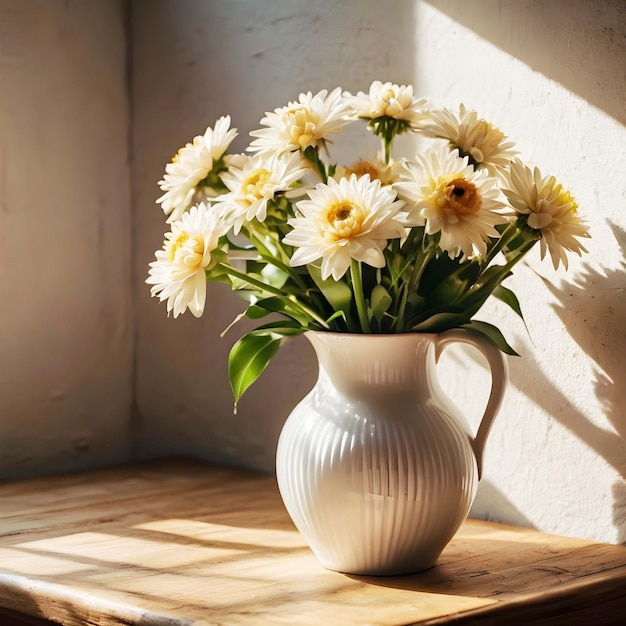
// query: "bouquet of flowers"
[[375, 246]]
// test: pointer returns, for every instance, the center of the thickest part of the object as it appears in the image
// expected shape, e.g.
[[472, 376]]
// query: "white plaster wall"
[[65, 319], [552, 75], [195, 61]]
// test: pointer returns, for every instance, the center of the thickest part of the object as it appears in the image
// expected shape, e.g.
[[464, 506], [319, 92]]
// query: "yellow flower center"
[[300, 126], [186, 249], [343, 220], [176, 244], [460, 195], [253, 184], [340, 212], [566, 200], [361, 168]]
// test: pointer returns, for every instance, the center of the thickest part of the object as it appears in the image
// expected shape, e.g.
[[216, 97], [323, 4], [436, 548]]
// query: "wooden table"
[[186, 543]]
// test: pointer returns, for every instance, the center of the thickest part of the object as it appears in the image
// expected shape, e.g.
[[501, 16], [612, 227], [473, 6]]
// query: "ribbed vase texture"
[[374, 467]]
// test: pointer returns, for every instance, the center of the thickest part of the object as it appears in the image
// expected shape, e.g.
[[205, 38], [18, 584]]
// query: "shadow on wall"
[[578, 305], [604, 341], [593, 291], [579, 44], [582, 46], [489, 498]]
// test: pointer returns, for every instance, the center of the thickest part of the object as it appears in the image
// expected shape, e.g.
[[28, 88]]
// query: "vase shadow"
[[489, 498], [488, 562], [474, 566]]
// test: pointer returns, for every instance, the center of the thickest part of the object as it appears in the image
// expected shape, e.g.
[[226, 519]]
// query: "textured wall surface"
[[552, 75], [65, 322], [194, 62]]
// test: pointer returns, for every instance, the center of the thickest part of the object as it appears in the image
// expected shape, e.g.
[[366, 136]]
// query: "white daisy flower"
[[254, 183], [350, 219], [307, 122], [550, 209], [178, 274], [486, 145], [446, 194], [390, 100], [190, 166]]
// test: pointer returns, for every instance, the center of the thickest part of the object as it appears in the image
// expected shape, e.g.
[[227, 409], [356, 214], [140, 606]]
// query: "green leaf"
[[253, 352], [438, 270], [256, 311], [508, 297], [336, 315], [285, 307], [288, 328], [248, 359], [437, 322], [380, 302], [252, 312], [338, 293], [490, 281], [274, 276], [494, 333]]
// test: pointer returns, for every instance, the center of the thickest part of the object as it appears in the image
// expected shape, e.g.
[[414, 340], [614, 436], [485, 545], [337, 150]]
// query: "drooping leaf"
[[252, 353], [248, 359], [437, 322], [494, 333], [508, 297]]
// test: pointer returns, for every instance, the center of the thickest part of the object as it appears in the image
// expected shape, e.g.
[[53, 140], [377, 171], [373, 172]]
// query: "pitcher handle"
[[499, 378]]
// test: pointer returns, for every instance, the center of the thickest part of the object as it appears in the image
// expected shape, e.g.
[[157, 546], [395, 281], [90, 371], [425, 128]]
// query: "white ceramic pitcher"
[[376, 466]]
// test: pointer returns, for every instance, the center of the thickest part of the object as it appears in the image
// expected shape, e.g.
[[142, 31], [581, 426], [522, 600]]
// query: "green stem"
[[312, 155], [269, 257], [231, 271], [520, 253], [359, 297], [508, 235], [411, 286], [487, 288], [386, 141], [310, 312]]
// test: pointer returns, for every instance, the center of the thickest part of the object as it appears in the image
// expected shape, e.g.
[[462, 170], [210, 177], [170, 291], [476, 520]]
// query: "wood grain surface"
[[183, 543]]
